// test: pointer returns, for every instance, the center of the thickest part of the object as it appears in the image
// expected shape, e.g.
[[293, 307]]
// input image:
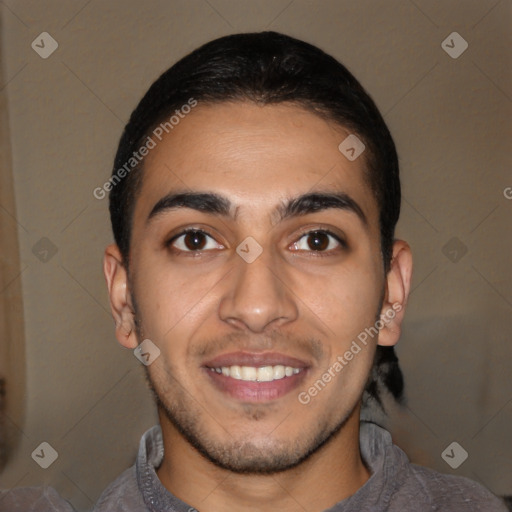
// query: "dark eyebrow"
[[319, 201], [212, 203], [204, 202]]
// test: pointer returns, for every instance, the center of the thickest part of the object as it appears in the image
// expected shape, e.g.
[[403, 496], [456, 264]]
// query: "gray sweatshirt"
[[395, 485]]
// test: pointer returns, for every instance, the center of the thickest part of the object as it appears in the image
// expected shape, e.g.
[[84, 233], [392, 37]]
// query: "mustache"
[[276, 341], [292, 344]]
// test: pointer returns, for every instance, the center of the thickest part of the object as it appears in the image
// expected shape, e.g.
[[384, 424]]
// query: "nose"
[[257, 297]]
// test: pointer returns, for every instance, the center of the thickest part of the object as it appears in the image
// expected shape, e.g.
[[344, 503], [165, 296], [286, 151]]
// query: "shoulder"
[[33, 499], [122, 495], [125, 494], [402, 485], [449, 493]]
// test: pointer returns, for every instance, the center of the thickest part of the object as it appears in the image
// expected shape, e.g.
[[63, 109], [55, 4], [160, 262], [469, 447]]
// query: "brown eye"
[[319, 241], [194, 240]]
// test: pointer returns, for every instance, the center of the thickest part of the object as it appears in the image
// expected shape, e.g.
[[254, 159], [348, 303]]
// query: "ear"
[[398, 285], [120, 298]]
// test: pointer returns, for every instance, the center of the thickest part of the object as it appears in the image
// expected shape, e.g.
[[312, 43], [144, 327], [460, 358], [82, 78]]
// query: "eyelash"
[[342, 243]]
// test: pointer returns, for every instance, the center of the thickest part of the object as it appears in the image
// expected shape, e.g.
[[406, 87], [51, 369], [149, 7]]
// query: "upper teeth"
[[261, 374]]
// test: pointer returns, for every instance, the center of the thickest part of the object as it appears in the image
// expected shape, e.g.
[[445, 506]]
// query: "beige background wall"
[[451, 119]]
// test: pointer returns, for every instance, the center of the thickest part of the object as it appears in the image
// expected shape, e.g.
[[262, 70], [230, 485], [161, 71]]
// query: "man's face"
[[219, 315]]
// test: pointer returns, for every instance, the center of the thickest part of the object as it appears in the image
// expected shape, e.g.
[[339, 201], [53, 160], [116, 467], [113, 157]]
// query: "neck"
[[331, 474]]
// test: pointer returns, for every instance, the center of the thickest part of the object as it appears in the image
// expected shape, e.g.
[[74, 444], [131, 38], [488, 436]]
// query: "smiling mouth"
[[255, 377], [257, 374]]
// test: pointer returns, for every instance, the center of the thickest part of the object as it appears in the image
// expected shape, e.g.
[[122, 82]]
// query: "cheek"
[[173, 306], [345, 299], [168, 293]]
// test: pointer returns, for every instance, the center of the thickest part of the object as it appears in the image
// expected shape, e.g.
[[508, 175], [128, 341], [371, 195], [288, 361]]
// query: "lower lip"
[[251, 391]]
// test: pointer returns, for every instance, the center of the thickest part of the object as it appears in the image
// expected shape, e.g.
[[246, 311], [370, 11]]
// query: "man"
[[255, 272]]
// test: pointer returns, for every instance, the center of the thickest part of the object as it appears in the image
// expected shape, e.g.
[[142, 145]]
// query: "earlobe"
[[120, 299], [398, 285]]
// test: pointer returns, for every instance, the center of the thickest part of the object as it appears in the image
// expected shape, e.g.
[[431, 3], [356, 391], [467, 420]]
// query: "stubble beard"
[[241, 456]]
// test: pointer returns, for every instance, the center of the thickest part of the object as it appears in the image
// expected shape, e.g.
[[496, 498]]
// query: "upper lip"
[[255, 359]]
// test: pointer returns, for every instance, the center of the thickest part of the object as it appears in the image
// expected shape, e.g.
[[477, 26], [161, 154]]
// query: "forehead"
[[255, 155]]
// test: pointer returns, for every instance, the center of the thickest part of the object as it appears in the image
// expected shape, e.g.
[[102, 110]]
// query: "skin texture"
[[292, 300]]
